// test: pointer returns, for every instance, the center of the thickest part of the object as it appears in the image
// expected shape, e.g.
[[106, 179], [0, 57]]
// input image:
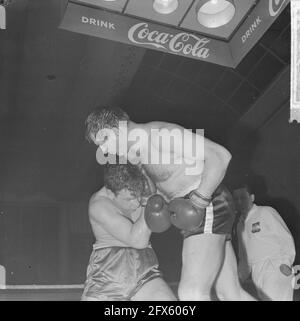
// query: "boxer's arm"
[[216, 161], [197, 148], [135, 235], [151, 182]]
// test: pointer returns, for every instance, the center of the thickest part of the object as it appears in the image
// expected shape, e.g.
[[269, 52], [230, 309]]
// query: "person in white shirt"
[[266, 248]]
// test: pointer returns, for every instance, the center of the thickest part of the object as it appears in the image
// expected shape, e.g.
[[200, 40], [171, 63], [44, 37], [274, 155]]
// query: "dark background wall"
[[44, 242]]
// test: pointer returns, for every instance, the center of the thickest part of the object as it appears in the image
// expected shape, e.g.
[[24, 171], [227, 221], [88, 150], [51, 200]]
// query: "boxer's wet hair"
[[103, 117], [123, 176]]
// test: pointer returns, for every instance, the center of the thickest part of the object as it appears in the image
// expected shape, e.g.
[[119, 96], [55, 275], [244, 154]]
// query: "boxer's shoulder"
[[100, 200], [101, 208], [161, 125]]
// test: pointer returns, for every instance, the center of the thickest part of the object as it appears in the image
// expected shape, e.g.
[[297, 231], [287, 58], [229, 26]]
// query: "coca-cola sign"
[[275, 6], [132, 30], [182, 42]]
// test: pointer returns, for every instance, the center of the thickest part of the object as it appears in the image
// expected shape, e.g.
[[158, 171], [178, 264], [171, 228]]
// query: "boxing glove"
[[184, 215], [157, 215]]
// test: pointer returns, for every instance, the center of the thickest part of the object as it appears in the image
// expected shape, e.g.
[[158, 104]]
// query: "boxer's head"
[[244, 198], [126, 182], [103, 128]]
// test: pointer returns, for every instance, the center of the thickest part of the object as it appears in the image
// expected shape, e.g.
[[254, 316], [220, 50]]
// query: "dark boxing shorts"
[[118, 273], [219, 217]]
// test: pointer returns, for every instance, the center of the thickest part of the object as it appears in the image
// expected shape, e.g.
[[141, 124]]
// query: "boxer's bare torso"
[[170, 178]]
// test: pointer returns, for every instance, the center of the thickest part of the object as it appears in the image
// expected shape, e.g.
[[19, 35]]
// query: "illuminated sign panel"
[[88, 19]]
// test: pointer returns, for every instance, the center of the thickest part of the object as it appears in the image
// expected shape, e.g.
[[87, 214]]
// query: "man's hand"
[[157, 215]]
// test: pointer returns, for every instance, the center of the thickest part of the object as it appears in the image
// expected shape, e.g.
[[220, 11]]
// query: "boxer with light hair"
[[200, 207]]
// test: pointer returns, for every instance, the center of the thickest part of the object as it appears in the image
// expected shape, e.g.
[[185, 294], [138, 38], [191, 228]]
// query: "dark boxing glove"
[[188, 213], [157, 215], [184, 215]]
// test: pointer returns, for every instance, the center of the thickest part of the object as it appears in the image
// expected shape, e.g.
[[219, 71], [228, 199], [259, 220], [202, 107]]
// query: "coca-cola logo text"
[[185, 43], [275, 6]]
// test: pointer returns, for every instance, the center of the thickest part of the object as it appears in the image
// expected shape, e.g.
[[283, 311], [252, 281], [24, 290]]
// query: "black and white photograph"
[[150, 152]]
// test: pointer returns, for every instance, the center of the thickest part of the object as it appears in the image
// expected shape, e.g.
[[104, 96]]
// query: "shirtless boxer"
[[205, 220], [123, 265]]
